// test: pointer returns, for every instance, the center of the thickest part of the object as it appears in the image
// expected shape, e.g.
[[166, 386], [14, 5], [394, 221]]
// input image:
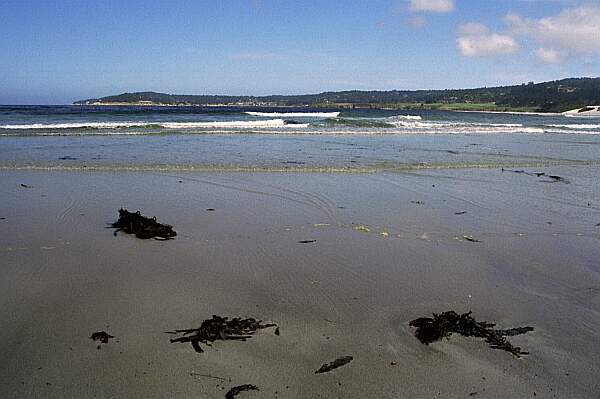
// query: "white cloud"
[[439, 6], [572, 31], [476, 40], [549, 56]]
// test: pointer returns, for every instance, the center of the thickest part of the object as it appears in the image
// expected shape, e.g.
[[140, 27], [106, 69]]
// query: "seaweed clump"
[[327, 367], [142, 227], [220, 328], [240, 388], [431, 329], [101, 336]]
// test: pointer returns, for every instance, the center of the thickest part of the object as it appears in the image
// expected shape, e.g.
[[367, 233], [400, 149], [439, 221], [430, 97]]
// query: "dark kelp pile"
[[141, 226], [327, 367], [240, 388], [101, 336], [220, 328], [431, 329]]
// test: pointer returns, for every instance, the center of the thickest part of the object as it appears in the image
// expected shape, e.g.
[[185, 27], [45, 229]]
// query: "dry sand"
[[65, 276]]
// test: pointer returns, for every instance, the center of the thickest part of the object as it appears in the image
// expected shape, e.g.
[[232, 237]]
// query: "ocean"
[[290, 139]]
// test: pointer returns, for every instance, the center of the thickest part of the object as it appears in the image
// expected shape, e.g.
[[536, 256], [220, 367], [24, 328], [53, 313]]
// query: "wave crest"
[[577, 126], [78, 125], [407, 117], [295, 114], [166, 125]]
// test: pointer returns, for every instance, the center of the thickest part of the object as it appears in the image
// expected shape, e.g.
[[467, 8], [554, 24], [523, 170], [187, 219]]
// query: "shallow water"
[[210, 138]]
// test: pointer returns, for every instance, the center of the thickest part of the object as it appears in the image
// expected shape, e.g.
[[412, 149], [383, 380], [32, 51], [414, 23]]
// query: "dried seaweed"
[[443, 325], [558, 178], [327, 367], [101, 336], [141, 226], [220, 328], [553, 178], [521, 171], [240, 388]]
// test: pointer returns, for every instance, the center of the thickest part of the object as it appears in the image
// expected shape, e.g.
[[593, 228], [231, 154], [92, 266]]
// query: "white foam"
[[462, 127], [409, 117], [233, 124], [569, 131], [296, 114], [76, 125], [271, 123], [578, 126], [419, 125], [403, 124]]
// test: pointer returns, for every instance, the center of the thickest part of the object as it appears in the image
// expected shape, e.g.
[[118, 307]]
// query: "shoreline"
[[389, 168]]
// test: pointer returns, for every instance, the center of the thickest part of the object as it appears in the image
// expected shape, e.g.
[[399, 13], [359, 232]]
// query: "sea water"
[[276, 139]]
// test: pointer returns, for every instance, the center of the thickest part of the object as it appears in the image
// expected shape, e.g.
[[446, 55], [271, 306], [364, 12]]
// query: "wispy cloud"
[[437, 6], [476, 40], [549, 56], [415, 10]]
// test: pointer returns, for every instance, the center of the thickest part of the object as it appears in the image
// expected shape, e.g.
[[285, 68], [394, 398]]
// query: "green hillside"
[[555, 96]]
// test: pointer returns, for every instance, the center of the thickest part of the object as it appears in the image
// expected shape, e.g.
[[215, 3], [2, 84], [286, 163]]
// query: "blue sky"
[[60, 51]]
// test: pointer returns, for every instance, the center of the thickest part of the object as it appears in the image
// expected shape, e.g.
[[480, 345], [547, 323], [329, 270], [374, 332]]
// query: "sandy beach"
[[299, 200], [351, 292]]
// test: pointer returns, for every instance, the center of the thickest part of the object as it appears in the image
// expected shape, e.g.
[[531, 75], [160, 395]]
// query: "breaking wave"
[[233, 124], [409, 117], [398, 124], [577, 126], [272, 123], [295, 114], [354, 122], [77, 125], [464, 127]]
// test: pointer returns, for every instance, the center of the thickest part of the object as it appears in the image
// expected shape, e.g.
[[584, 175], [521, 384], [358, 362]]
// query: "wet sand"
[[350, 292]]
